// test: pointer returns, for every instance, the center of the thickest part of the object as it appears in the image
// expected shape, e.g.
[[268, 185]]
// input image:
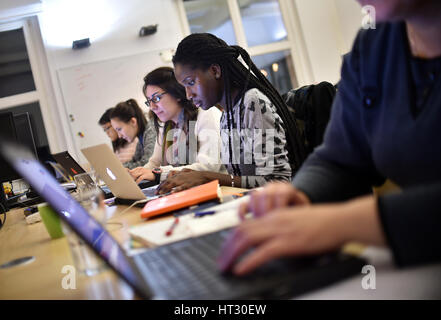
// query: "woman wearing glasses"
[[122, 148], [130, 123], [187, 137]]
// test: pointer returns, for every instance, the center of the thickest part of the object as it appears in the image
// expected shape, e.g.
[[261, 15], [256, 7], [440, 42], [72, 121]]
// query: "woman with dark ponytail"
[[260, 141], [129, 122]]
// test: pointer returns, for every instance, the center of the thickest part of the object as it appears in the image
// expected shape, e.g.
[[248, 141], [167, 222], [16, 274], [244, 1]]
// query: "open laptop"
[[72, 168], [68, 163], [184, 269], [116, 177]]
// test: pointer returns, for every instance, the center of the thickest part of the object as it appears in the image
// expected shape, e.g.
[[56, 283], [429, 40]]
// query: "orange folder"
[[182, 199]]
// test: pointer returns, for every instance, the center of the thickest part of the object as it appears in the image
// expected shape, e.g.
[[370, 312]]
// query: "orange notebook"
[[182, 199]]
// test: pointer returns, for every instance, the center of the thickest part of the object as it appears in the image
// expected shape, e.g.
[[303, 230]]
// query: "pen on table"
[[172, 227], [203, 213]]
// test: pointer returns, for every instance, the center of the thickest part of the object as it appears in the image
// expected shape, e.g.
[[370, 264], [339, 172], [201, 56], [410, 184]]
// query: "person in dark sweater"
[[385, 124]]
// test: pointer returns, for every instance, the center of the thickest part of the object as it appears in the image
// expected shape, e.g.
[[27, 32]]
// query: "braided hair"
[[201, 50]]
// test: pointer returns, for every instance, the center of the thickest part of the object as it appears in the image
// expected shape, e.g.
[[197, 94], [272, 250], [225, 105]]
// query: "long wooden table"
[[42, 277]]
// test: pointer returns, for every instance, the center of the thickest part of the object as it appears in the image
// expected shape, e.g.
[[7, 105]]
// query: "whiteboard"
[[90, 89]]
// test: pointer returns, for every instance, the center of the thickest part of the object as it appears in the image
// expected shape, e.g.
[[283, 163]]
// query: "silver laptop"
[[116, 177]]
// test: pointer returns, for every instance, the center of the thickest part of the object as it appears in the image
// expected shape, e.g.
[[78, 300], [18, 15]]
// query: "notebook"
[[184, 269], [182, 199], [154, 233]]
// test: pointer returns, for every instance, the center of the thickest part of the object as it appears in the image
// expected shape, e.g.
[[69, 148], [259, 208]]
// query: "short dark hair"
[[164, 77], [105, 118], [201, 50], [127, 110]]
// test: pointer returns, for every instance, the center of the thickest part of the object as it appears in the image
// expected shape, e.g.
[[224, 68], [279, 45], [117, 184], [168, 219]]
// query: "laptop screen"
[[73, 213]]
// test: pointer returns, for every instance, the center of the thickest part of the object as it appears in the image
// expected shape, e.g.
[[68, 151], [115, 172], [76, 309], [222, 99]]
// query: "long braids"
[[201, 50]]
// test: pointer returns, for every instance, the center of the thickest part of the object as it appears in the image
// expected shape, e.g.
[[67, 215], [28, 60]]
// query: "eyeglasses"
[[155, 98]]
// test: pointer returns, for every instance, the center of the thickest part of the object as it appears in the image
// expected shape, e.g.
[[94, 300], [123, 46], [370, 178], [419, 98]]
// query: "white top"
[[204, 149], [126, 153]]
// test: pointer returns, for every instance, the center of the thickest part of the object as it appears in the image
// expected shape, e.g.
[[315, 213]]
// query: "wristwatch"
[[157, 173]]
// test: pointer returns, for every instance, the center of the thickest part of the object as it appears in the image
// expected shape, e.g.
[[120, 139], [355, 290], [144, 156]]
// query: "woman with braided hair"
[[260, 141]]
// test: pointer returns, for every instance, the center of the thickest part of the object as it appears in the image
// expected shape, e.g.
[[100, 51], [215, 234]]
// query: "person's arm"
[[412, 223], [207, 133], [156, 158], [301, 231], [263, 140], [187, 179]]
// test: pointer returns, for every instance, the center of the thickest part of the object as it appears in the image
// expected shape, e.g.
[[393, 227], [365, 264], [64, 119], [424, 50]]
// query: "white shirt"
[[203, 146]]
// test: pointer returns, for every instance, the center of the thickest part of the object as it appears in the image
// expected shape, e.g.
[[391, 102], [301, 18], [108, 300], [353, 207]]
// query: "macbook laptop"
[[116, 177], [184, 269]]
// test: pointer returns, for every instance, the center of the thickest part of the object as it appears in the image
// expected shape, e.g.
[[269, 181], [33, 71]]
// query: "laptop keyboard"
[[176, 266], [150, 192], [187, 270]]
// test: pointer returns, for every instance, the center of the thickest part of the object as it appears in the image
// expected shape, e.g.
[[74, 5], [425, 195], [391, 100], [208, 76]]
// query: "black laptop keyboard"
[[182, 263], [187, 270]]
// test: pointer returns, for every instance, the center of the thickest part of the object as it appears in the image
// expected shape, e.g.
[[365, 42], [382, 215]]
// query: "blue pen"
[[203, 213]]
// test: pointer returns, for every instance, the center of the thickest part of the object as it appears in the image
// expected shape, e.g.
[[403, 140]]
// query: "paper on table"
[[153, 234]]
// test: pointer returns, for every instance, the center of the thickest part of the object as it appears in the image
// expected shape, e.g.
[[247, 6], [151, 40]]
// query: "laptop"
[[116, 177], [185, 269], [72, 168], [68, 163]]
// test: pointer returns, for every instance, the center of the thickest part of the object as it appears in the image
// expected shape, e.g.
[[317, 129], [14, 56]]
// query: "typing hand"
[[141, 173], [285, 232], [275, 195], [182, 180]]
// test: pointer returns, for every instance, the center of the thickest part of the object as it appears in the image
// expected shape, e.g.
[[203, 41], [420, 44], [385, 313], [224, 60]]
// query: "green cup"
[[51, 220]]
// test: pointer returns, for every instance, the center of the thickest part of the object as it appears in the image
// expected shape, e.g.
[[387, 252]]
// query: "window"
[[262, 21], [15, 68], [256, 25], [210, 16], [277, 67], [19, 81]]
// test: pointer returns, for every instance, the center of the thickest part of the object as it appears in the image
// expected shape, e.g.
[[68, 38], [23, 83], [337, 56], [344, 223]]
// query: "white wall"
[[11, 9], [112, 26], [349, 15], [329, 27]]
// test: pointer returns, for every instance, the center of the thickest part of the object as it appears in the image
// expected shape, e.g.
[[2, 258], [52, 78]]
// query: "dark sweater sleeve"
[[324, 181], [412, 224]]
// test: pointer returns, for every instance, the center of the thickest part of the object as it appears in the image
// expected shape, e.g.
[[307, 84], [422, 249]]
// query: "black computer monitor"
[[9, 133], [16, 127], [25, 133]]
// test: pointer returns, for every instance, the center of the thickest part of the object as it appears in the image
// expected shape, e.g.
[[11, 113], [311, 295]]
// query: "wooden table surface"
[[42, 278]]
